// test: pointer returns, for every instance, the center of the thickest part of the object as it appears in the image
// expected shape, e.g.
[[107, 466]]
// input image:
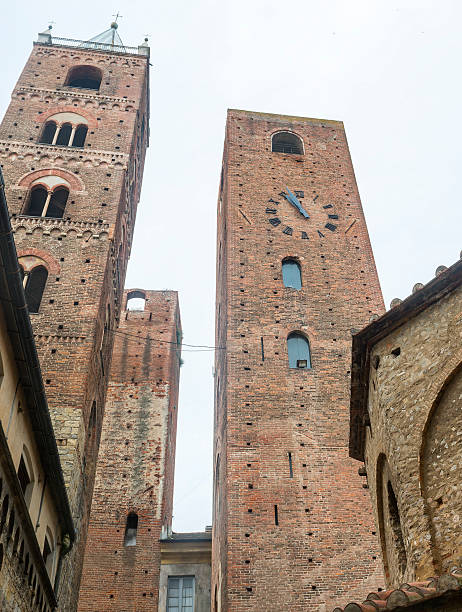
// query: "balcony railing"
[[48, 39]]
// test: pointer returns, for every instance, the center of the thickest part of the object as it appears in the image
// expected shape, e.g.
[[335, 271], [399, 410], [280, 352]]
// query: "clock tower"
[[293, 526]]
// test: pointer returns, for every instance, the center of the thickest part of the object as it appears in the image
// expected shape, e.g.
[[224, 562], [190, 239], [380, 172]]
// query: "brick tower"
[[133, 495], [72, 144], [293, 527]]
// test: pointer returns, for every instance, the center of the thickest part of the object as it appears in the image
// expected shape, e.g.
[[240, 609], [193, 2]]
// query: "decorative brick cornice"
[[101, 100], [41, 152], [61, 227]]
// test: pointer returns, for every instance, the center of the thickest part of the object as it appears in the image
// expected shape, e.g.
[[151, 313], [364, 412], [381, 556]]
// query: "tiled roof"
[[410, 595]]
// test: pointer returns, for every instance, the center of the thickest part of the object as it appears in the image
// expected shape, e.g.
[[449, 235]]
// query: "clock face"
[[304, 221]]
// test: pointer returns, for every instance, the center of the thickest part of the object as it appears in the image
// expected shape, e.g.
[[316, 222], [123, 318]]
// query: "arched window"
[[9, 533], [79, 136], [131, 529], [286, 142], [34, 285], [48, 552], [48, 133], [298, 349], [291, 273], [395, 525], [136, 300], [43, 203], [92, 421], [84, 77], [64, 135], [38, 197], [26, 475], [57, 203], [5, 505]]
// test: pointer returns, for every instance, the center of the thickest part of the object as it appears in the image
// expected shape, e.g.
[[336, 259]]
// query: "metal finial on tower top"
[[109, 37]]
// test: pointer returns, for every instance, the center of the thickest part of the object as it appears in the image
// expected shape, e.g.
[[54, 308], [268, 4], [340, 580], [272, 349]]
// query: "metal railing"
[[87, 44]]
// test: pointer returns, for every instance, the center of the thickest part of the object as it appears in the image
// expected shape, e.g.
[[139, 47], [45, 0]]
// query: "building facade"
[[133, 495], [406, 424], [293, 528], [36, 528], [72, 145], [185, 572]]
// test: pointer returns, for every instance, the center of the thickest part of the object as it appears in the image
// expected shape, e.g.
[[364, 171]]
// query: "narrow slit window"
[[276, 515], [131, 529], [298, 349], [291, 470], [291, 274], [262, 349]]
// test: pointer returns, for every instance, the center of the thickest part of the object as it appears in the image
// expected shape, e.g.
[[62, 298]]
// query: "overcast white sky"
[[390, 70]]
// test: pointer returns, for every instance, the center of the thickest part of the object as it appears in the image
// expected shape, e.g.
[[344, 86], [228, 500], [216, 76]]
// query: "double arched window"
[[65, 129], [298, 349], [47, 202], [286, 142], [291, 273], [84, 77], [34, 281]]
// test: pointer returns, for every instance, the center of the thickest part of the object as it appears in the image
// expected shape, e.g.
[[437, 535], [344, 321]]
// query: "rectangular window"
[[180, 594]]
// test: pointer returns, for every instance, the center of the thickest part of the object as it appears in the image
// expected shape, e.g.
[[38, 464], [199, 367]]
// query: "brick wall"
[[85, 252], [324, 549], [136, 462]]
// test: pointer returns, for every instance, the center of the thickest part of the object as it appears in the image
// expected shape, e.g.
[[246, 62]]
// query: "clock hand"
[[290, 197]]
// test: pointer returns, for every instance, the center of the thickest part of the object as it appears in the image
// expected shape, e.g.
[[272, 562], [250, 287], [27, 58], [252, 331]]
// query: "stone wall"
[[415, 431]]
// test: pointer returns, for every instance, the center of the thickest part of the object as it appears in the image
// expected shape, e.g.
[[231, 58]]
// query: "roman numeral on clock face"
[[287, 230], [271, 211], [331, 227], [275, 221]]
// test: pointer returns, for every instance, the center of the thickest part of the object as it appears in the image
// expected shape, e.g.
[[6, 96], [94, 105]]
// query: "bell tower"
[[72, 144], [293, 527]]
